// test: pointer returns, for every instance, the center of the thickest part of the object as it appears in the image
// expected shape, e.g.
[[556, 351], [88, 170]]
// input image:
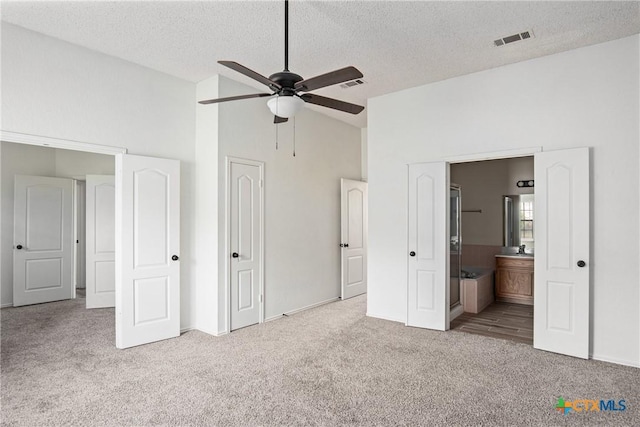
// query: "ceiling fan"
[[290, 89]]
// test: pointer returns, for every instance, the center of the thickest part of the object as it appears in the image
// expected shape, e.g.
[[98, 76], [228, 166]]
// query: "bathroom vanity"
[[514, 278]]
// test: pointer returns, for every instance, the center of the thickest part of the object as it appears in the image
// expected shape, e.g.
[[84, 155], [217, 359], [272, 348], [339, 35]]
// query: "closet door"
[[428, 251], [561, 288], [43, 240], [101, 236]]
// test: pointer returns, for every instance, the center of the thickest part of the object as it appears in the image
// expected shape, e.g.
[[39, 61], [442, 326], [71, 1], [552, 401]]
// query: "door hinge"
[[260, 183], [261, 298]]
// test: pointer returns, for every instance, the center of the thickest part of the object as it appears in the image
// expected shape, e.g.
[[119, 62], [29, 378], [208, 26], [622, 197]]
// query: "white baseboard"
[[617, 361], [456, 311], [308, 307], [272, 318], [391, 319], [187, 329], [7, 304]]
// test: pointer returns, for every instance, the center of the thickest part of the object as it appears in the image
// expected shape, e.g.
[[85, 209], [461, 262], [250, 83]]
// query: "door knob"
[[19, 247], [412, 253], [344, 245], [175, 257], [581, 263], [235, 255]]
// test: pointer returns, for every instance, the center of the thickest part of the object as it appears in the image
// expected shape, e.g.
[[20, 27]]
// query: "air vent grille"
[[513, 38], [352, 83]]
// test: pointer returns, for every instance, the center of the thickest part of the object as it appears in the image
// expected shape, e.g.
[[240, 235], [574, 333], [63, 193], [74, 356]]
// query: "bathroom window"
[[526, 218]]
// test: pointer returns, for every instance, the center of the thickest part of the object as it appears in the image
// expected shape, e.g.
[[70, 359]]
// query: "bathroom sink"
[[516, 255]]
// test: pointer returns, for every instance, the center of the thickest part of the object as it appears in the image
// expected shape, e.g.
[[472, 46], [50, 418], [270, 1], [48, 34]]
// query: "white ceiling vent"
[[352, 83], [514, 38]]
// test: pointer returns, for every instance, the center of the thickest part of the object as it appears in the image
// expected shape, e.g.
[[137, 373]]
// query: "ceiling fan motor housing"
[[287, 80]]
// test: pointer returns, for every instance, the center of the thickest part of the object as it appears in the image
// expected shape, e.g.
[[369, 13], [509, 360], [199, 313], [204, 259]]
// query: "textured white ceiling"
[[396, 44]]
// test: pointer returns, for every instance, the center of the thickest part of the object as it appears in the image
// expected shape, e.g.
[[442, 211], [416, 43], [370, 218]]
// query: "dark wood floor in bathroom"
[[500, 320]]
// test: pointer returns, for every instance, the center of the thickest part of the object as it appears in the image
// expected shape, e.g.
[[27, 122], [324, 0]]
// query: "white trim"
[[6, 305], [187, 329], [272, 318], [74, 262], [493, 155], [455, 312], [391, 319], [615, 360], [310, 306], [227, 237], [45, 141], [298, 310]]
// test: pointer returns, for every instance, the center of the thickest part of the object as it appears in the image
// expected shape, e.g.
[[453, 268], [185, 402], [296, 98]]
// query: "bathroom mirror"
[[518, 220]]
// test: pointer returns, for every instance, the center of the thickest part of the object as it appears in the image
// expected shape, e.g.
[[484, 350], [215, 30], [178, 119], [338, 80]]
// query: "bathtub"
[[477, 292]]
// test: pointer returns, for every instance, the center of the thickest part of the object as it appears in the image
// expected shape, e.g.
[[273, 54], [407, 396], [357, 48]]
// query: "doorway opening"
[[562, 240], [492, 258], [45, 225], [147, 239]]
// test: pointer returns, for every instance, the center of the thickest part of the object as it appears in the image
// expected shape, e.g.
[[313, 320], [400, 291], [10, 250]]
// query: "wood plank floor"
[[500, 320]]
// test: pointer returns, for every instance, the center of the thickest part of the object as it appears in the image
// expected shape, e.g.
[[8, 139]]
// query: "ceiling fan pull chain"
[[294, 136], [277, 137]]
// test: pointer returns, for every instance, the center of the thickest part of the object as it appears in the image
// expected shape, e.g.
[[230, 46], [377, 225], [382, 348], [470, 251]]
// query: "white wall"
[[363, 154], [206, 198], [302, 196], [56, 89], [41, 161], [585, 97], [78, 164]]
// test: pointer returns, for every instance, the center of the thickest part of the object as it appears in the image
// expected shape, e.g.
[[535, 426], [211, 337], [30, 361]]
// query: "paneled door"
[[100, 241], [246, 213], [561, 289], [353, 230], [428, 251], [43, 240], [148, 249]]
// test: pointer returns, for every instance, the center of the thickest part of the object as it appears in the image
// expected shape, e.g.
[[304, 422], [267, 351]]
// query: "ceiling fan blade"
[[328, 79], [234, 98], [332, 103], [278, 120], [250, 73]]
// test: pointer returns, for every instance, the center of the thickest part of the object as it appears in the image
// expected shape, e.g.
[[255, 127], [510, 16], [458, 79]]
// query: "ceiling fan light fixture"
[[285, 106]]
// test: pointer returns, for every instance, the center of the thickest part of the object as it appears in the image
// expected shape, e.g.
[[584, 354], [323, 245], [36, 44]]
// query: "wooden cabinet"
[[514, 280]]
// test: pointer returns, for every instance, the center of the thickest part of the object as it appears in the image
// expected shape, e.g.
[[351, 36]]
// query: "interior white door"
[[147, 249], [245, 234], [561, 282], [428, 251], [101, 241], [353, 230], [43, 240]]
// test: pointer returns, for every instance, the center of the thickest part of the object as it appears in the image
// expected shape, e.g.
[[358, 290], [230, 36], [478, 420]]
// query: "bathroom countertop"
[[525, 256]]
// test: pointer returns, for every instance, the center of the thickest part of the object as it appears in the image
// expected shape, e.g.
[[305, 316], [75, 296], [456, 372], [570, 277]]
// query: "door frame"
[[227, 238], [65, 144], [477, 157]]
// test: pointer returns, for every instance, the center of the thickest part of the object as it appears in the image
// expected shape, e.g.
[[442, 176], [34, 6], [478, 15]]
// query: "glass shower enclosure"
[[455, 244]]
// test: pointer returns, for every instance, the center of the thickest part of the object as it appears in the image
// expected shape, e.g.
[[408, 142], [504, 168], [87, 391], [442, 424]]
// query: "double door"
[[561, 287]]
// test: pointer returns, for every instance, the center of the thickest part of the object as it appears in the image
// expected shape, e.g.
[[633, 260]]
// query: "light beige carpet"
[[326, 366]]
